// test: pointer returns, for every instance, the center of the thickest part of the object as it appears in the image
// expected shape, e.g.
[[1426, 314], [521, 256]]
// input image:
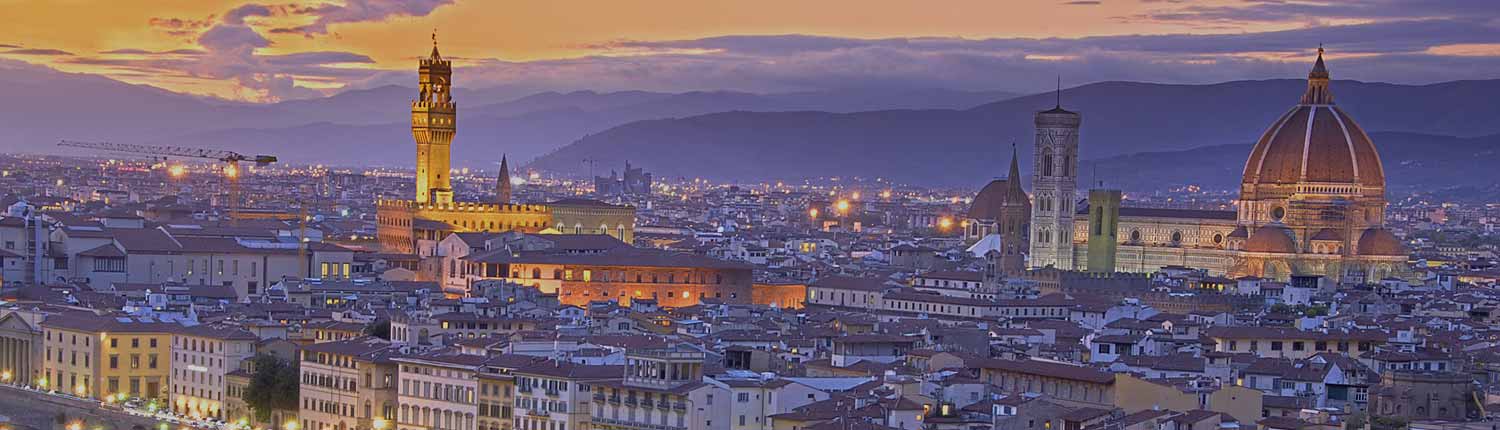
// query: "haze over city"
[[771, 215]]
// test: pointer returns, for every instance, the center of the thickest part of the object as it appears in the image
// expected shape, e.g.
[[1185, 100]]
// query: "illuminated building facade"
[[93, 357], [621, 275]]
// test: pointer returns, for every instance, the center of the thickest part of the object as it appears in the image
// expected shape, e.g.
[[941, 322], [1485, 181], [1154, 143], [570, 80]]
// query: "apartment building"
[[661, 389], [96, 356], [438, 391], [556, 395], [201, 357], [348, 384]]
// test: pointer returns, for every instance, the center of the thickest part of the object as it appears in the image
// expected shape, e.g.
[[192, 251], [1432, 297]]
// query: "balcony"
[[614, 399], [523, 389], [630, 401], [598, 397], [646, 403], [536, 412], [551, 392], [681, 406]]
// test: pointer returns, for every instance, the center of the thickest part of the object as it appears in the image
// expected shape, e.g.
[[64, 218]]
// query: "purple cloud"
[[316, 58], [363, 11], [38, 51], [1398, 51], [1283, 11]]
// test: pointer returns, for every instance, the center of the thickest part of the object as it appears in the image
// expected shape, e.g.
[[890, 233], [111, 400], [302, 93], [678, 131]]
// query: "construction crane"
[[230, 159]]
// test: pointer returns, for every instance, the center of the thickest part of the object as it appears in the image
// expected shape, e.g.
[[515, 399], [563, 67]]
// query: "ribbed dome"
[[1315, 142], [990, 201], [1273, 237], [1379, 241]]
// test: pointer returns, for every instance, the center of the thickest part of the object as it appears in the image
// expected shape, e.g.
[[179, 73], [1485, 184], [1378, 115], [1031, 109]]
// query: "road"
[[30, 410]]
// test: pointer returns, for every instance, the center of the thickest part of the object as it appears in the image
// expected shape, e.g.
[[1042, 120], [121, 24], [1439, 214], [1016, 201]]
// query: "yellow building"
[[1282, 342], [97, 356], [1134, 394], [415, 226]]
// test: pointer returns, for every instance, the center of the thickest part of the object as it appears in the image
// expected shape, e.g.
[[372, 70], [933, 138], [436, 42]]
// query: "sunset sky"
[[269, 51]]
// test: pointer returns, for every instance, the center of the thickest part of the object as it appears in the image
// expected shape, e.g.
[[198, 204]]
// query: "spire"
[[435, 55], [1059, 92], [1014, 180], [1317, 83], [502, 183]]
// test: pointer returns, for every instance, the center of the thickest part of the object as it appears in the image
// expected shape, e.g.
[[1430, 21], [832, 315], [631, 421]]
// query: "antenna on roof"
[[1059, 91]]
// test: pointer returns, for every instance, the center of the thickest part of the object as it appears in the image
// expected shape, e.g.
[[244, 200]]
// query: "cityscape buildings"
[[134, 293]]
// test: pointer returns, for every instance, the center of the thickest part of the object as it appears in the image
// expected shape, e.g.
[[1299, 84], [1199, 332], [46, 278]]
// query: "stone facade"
[[1054, 183]]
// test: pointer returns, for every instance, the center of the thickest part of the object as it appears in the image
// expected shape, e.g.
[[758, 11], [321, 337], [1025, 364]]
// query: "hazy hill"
[[966, 147], [369, 125]]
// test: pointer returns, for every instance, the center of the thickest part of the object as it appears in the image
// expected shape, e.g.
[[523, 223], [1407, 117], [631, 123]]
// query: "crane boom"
[[172, 151]]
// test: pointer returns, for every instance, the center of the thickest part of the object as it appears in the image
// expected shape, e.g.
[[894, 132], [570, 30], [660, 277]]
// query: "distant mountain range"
[[1411, 160], [364, 127], [920, 136], [968, 147]]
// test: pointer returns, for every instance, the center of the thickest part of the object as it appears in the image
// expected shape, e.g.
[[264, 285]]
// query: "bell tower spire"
[[433, 123], [502, 183]]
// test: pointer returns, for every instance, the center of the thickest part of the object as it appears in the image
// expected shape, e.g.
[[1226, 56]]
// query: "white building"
[[438, 391], [201, 356]]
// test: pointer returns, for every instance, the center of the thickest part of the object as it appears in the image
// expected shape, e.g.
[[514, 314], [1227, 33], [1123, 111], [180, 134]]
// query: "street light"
[[5, 376], [290, 425]]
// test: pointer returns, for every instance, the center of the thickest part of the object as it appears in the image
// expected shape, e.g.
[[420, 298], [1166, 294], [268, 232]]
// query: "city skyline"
[[258, 52], [777, 215]]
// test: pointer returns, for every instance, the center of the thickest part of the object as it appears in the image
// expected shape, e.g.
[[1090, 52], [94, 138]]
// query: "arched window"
[[1046, 161], [556, 273], [1067, 167], [536, 273]]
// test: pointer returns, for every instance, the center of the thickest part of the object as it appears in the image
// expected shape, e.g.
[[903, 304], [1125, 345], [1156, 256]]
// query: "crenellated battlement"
[[466, 207]]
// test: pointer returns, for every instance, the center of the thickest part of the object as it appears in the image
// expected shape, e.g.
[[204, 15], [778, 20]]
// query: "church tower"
[[1054, 179], [502, 183], [433, 117]]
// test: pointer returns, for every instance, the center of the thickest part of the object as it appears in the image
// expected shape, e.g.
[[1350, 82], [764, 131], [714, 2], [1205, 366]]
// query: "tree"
[[273, 386], [380, 328]]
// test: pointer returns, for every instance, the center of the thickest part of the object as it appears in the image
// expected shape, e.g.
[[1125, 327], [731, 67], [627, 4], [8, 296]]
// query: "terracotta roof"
[[1050, 369], [1274, 237], [1379, 241], [850, 283]]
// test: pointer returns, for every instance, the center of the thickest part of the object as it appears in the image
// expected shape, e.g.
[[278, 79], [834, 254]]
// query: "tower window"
[[1047, 162]]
